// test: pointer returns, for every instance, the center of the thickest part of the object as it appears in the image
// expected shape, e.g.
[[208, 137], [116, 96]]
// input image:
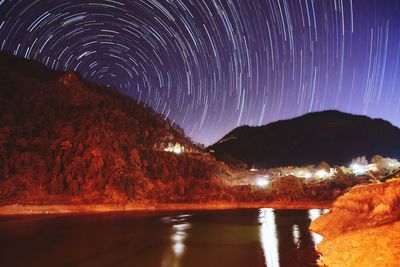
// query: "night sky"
[[212, 65]]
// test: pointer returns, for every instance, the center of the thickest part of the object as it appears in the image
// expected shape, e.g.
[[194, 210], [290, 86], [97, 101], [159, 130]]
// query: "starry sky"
[[213, 65]]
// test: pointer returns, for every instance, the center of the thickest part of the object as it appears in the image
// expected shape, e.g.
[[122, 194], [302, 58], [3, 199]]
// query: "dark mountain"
[[65, 139], [331, 136]]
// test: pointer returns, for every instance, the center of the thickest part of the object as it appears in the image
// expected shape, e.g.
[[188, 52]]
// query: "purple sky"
[[212, 65]]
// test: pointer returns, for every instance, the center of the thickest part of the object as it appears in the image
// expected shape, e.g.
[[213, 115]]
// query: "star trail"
[[212, 65]]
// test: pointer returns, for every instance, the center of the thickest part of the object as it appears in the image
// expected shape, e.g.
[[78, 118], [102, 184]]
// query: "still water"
[[253, 237]]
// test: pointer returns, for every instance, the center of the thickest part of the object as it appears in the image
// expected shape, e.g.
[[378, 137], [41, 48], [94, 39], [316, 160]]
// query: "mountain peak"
[[332, 136]]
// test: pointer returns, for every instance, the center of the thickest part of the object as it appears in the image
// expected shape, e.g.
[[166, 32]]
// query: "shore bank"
[[378, 246], [26, 209], [363, 227]]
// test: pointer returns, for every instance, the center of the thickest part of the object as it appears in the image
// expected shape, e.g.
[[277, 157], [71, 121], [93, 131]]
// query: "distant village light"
[[357, 168], [262, 182], [321, 174], [302, 173], [363, 169], [307, 175], [177, 148], [373, 167]]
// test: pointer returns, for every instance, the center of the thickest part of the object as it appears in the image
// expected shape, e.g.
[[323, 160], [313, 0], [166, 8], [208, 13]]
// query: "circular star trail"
[[212, 65]]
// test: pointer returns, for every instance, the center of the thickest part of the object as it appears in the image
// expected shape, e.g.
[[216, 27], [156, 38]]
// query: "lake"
[[245, 237]]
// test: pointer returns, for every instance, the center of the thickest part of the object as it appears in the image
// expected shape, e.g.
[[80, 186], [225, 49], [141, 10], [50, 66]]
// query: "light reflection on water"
[[268, 238], [179, 233], [314, 214], [270, 231], [296, 235]]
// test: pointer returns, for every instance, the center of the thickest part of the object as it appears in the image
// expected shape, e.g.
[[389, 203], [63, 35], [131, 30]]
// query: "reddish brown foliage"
[[70, 138]]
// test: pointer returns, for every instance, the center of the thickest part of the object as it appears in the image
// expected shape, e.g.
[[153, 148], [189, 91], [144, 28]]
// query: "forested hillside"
[[65, 139]]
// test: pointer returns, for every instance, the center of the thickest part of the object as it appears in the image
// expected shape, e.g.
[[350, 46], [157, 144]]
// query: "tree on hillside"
[[324, 166], [287, 187]]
